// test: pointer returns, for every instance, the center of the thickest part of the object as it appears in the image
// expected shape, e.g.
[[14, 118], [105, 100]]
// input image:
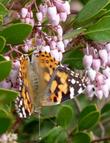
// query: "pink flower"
[[51, 12], [96, 64], [24, 12], [60, 46], [107, 46], [103, 55], [45, 49], [55, 20], [99, 93], [43, 9], [90, 90], [87, 61], [39, 16], [105, 90], [63, 16], [62, 6], [52, 45], [99, 79], [91, 74], [54, 53]]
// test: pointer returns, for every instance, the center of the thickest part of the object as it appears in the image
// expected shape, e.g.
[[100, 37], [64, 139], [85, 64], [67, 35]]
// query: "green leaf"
[[5, 68], [2, 58], [7, 96], [89, 120], [3, 10], [84, 1], [73, 58], [80, 137], [92, 8], [16, 33], [56, 135], [1, 19], [106, 108], [87, 110], [100, 31], [5, 1], [62, 118], [5, 121], [74, 33], [2, 43]]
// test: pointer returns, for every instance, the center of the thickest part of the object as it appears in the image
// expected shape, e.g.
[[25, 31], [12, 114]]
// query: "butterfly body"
[[44, 82]]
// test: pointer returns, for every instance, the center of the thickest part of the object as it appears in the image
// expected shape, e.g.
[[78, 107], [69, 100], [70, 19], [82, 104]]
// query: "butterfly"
[[43, 81]]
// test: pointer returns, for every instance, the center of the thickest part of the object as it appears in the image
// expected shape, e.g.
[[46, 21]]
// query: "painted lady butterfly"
[[44, 81]]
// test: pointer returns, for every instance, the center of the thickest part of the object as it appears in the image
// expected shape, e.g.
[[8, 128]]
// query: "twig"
[[77, 105], [101, 139]]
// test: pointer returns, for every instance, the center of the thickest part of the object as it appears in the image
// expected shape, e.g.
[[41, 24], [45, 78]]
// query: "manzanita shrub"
[[77, 36]]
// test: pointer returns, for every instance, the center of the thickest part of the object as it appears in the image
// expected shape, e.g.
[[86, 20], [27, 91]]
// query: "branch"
[[101, 139]]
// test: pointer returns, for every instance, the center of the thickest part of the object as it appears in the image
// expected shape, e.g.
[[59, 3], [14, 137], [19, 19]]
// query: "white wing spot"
[[80, 90], [71, 92], [73, 81]]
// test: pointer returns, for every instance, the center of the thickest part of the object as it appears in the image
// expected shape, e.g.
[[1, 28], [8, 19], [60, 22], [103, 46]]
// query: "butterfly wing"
[[64, 84], [23, 103], [44, 65]]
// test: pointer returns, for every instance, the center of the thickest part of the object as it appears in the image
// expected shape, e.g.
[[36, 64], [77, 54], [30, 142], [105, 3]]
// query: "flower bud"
[[45, 49], [66, 41], [5, 84], [59, 30], [105, 90], [24, 12], [107, 82], [43, 9], [99, 93], [60, 46], [96, 64], [99, 79], [32, 22], [90, 90], [63, 16], [60, 56], [108, 63], [63, 6], [52, 45], [7, 58], [55, 20], [87, 61], [91, 74], [107, 47], [27, 20], [106, 72], [13, 75], [39, 16], [103, 55], [16, 64], [51, 12], [54, 53]]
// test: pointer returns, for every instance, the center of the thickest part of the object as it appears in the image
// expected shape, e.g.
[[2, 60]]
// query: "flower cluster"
[[55, 11], [97, 64], [26, 16], [8, 138]]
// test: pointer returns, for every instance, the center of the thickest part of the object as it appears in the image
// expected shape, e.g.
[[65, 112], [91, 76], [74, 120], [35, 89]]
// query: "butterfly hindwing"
[[65, 84]]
